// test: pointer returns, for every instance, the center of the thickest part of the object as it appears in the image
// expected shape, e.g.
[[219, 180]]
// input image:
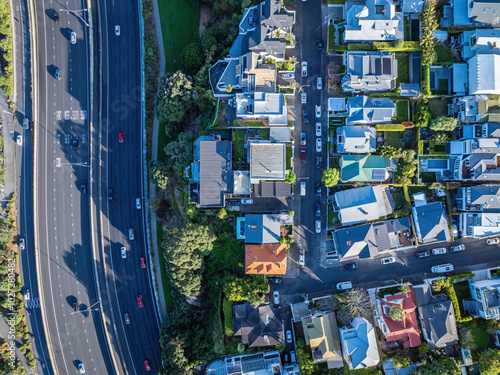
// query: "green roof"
[[363, 168]]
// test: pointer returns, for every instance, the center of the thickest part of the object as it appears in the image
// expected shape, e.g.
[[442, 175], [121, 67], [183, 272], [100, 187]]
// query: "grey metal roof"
[[409, 89], [262, 228], [486, 11], [366, 110], [439, 324], [267, 161], [486, 196], [431, 223], [258, 326], [492, 130], [484, 166], [215, 165], [370, 71], [412, 6]]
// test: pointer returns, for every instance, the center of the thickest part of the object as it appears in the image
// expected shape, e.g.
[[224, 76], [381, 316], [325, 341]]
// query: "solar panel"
[[387, 66], [378, 174]]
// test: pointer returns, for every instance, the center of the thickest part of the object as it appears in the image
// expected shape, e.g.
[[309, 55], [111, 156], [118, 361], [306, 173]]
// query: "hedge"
[[426, 80], [390, 127], [385, 46], [406, 194], [453, 296], [466, 275], [420, 150]]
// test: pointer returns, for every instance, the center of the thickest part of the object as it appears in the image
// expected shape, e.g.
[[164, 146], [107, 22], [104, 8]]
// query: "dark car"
[[121, 137], [318, 189], [423, 254], [58, 74], [303, 153], [75, 304], [110, 194], [351, 266], [55, 15], [274, 280], [74, 142], [319, 44], [83, 187], [85, 310], [305, 116], [317, 208], [319, 161]]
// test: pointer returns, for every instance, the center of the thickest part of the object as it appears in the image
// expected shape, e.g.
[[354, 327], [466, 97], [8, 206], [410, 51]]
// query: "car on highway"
[[457, 248], [27, 295], [318, 129], [302, 260], [344, 285], [126, 317], [110, 194], [319, 145], [121, 137], [131, 234], [423, 254], [75, 304], [289, 75], [317, 209], [351, 266], [305, 116], [143, 262], [26, 123], [318, 111], [448, 267], [146, 365], [139, 301], [19, 140], [58, 74], [302, 189], [319, 83], [318, 226], [302, 139], [74, 142], [439, 251], [319, 161], [303, 98], [123, 252], [81, 368], [21, 244], [83, 187], [85, 310], [289, 337], [73, 37], [117, 30], [246, 201], [303, 153], [274, 280], [55, 15], [492, 241], [388, 260], [276, 297], [318, 189], [319, 44], [138, 203], [304, 68]]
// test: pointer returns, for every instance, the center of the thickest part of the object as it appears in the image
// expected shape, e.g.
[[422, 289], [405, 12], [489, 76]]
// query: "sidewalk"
[[4, 333]]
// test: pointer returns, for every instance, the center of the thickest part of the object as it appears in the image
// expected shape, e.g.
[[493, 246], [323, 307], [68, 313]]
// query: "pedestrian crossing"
[[32, 303]]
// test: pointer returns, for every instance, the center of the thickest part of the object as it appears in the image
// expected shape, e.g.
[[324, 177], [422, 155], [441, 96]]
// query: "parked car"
[[351, 266], [303, 153], [319, 161], [318, 129], [457, 248], [319, 44], [318, 226], [319, 145], [21, 244], [492, 241], [344, 285], [247, 201], [423, 254], [319, 83], [318, 111], [289, 337], [274, 280], [302, 260], [276, 297], [388, 260], [19, 140], [439, 251], [318, 189], [317, 209], [289, 75], [448, 267], [304, 68], [302, 139], [305, 116], [293, 357], [303, 98], [27, 295]]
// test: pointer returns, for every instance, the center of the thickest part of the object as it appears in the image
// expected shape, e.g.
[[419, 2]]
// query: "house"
[[300, 310], [266, 259], [412, 6], [359, 344], [431, 223], [366, 168], [475, 13], [369, 240], [485, 302], [363, 204], [480, 41], [267, 161], [459, 79], [411, 89], [322, 335], [211, 172], [365, 110], [475, 109], [407, 328], [437, 318], [375, 20], [479, 198], [259, 228], [336, 106], [479, 224], [484, 74], [258, 326], [487, 130], [369, 71], [269, 107], [262, 40], [356, 139]]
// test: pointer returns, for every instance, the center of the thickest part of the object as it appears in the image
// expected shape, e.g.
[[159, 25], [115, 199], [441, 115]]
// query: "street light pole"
[[59, 164], [76, 13]]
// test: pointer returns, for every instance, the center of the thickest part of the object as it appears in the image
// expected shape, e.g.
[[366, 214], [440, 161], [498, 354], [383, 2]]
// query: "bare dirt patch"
[[204, 18]]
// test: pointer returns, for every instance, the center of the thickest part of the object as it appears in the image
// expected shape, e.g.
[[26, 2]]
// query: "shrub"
[[399, 43], [390, 127]]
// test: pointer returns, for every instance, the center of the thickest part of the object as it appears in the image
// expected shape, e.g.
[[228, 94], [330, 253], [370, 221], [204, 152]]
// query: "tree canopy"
[[180, 152], [489, 362], [444, 123], [247, 288], [331, 177], [159, 173], [442, 366], [291, 177], [422, 114]]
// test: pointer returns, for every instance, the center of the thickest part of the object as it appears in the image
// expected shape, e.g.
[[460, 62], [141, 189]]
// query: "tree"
[[158, 171], [396, 313], [441, 138], [290, 177], [192, 57], [403, 211], [401, 359], [423, 348], [489, 362], [180, 152], [355, 302], [408, 156], [174, 360], [389, 151], [222, 214], [422, 114], [247, 288], [441, 366], [291, 213], [444, 123], [399, 43], [405, 288], [331, 177], [408, 170], [440, 284]]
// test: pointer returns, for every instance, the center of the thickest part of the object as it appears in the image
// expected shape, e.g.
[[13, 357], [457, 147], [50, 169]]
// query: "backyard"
[[238, 143], [462, 290], [393, 139], [402, 110], [403, 73], [439, 107]]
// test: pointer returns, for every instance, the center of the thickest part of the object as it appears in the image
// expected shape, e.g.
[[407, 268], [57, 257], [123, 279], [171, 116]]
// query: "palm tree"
[[440, 284], [405, 288]]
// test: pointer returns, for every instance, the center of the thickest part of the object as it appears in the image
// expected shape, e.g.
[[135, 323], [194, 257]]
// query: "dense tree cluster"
[[422, 114], [428, 24], [443, 366], [443, 123]]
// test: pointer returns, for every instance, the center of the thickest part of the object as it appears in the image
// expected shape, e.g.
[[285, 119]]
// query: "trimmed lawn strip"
[[403, 72], [288, 157], [227, 309], [481, 337], [179, 27], [402, 111], [167, 288], [393, 139], [439, 107], [331, 38], [238, 140], [443, 55]]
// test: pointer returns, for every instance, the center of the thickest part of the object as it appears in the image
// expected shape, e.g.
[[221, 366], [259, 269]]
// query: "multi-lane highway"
[[65, 253]]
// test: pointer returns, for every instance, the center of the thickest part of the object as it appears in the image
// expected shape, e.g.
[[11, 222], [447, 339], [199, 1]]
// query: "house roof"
[[356, 139], [486, 11], [487, 197], [262, 228], [483, 41], [366, 168], [258, 326], [412, 6], [267, 161], [280, 134], [410, 89], [268, 259], [336, 104], [215, 166], [439, 325], [300, 310], [370, 71], [460, 78], [431, 223], [484, 166], [363, 204], [484, 74], [481, 224], [241, 183], [359, 344], [365, 110]]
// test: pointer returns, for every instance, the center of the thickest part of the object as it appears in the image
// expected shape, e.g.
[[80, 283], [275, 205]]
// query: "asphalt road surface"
[[65, 255]]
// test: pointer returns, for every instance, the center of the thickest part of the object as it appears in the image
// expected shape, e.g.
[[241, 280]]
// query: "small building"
[[460, 79], [365, 110], [359, 344], [412, 89], [369, 71], [300, 310], [484, 74], [267, 259], [336, 106], [480, 41], [259, 229], [262, 363], [412, 6], [258, 326], [485, 302], [431, 223], [356, 139], [366, 168], [266, 106], [479, 198], [479, 224], [267, 161]]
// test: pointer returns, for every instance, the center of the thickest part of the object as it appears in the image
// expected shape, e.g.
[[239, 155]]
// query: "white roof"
[[362, 204], [488, 224], [419, 199], [460, 78], [484, 74], [359, 344], [412, 6], [357, 139], [336, 104]]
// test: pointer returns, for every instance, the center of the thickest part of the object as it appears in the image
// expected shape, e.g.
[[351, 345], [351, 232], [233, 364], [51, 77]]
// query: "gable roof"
[[484, 166], [484, 74], [362, 204], [365, 110], [321, 333], [369, 71], [258, 326], [359, 344], [356, 139], [365, 168], [439, 325], [431, 223], [485, 11], [262, 228], [484, 197], [412, 6], [268, 259], [300, 310]]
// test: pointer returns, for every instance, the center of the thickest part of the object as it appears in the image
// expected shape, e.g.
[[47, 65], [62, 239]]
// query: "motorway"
[[123, 172], [64, 253]]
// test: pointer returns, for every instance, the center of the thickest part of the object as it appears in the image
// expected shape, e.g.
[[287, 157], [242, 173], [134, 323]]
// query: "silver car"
[[276, 297], [123, 252], [73, 37], [138, 203], [318, 145], [131, 234]]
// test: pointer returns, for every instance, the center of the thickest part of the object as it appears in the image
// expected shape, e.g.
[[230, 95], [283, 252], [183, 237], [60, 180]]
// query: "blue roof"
[[460, 13], [431, 222], [460, 79]]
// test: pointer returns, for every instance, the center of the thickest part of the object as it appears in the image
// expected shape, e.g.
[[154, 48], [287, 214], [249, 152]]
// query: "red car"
[[121, 137], [139, 302], [146, 364], [143, 262]]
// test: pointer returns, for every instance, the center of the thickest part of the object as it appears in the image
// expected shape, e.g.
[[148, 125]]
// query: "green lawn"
[[428, 177], [227, 309], [439, 107], [402, 111], [179, 26], [238, 141], [481, 337], [331, 38], [420, 189], [462, 291], [393, 139], [443, 55], [167, 288], [403, 74], [288, 157]]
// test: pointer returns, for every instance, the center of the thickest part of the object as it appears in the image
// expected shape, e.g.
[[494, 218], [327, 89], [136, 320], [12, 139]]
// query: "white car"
[[21, 244], [304, 68], [318, 145], [123, 252], [117, 30], [73, 37], [27, 295], [320, 83], [19, 140], [318, 129], [318, 111], [344, 285], [289, 75], [302, 260], [246, 201], [289, 336], [26, 123], [439, 251], [302, 139], [457, 248], [81, 368], [303, 98], [492, 241], [318, 226], [387, 260], [276, 297], [448, 267], [138, 203]]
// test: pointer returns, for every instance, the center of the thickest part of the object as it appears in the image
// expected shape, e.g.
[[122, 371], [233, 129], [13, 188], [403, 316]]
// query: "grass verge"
[[227, 309], [167, 288]]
